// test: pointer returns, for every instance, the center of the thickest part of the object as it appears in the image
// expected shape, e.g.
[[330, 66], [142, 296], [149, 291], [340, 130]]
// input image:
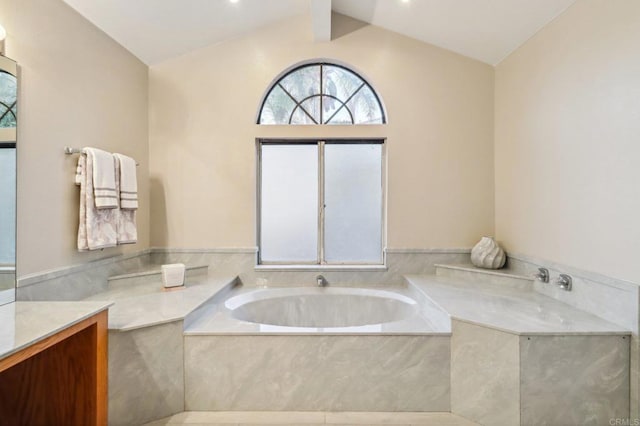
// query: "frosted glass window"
[[8, 206], [321, 93], [289, 203], [342, 224], [353, 203]]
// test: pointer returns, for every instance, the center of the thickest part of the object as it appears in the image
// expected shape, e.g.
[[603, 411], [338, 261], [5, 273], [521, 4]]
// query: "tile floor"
[[291, 418]]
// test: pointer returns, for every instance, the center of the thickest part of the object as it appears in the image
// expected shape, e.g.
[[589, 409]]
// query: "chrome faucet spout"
[[321, 281]]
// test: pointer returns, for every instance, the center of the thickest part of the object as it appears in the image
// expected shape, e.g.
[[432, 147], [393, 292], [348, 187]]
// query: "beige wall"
[[202, 132], [79, 88], [567, 123]]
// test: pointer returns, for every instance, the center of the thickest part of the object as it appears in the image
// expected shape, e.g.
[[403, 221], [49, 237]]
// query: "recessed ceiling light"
[[406, 1], [234, 1]]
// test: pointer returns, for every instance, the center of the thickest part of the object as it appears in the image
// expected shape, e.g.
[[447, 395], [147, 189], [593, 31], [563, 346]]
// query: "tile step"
[[155, 270], [496, 272], [472, 273]]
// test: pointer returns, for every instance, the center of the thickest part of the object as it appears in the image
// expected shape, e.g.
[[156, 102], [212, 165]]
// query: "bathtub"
[[317, 310], [316, 349], [324, 309]]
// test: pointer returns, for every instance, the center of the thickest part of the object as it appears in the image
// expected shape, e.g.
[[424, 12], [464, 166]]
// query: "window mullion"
[[321, 205], [321, 91]]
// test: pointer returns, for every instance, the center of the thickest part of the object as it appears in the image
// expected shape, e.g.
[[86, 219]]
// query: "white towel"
[[104, 178], [126, 222], [128, 182], [97, 228]]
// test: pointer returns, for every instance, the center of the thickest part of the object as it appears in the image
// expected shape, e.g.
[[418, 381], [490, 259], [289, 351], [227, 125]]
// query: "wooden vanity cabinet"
[[60, 380]]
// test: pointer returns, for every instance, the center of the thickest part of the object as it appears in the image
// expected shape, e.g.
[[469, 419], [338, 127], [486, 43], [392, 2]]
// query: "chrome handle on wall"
[[565, 282], [542, 275]]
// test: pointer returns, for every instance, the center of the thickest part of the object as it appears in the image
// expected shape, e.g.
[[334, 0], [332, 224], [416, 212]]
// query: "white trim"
[[220, 250], [321, 268]]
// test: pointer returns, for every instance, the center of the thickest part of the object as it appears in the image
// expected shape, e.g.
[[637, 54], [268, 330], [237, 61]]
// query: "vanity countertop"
[[514, 310], [148, 304], [24, 323]]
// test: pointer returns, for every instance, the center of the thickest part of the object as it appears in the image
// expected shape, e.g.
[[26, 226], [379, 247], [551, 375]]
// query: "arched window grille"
[[321, 93], [8, 99]]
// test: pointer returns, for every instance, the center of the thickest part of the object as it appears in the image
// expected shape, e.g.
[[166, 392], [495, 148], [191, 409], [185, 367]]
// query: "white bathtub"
[[321, 307], [307, 310]]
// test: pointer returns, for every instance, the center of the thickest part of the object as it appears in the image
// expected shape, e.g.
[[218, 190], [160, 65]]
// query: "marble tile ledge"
[[148, 304], [23, 324], [511, 310], [494, 272], [154, 269]]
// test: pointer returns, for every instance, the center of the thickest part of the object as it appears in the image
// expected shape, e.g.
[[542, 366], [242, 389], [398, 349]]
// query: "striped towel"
[[127, 230], [97, 228], [104, 178], [128, 182]]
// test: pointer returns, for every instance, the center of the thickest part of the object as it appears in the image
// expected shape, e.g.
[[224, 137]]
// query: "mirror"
[[8, 139]]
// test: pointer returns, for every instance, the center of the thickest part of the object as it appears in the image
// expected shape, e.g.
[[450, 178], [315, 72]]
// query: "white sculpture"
[[488, 254]]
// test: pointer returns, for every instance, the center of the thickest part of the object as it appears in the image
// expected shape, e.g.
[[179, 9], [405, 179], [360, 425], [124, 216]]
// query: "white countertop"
[[510, 309], [144, 305], [24, 323]]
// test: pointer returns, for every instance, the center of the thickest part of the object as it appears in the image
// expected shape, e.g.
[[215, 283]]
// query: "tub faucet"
[[321, 281], [542, 275], [564, 281]]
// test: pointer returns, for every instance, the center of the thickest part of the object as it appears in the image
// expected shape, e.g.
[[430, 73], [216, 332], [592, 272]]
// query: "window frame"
[[321, 63], [321, 263]]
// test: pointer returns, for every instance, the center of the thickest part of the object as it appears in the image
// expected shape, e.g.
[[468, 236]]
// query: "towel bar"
[[70, 151]]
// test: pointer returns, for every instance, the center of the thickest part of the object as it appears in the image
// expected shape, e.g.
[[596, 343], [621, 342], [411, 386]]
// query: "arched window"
[[321, 93], [8, 99]]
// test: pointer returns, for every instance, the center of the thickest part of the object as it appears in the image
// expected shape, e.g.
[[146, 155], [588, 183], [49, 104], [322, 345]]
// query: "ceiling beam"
[[321, 19]]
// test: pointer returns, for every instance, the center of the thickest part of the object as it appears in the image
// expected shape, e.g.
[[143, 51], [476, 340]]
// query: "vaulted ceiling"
[[156, 30]]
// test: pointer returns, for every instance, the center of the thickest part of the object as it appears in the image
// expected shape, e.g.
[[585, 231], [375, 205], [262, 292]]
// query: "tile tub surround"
[[242, 262], [394, 363], [500, 378], [147, 304], [578, 380], [485, 375], [518, 356], [510, 309], [146, 373], [617, 301], [317, 373], [80, 281], [146, 325]]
